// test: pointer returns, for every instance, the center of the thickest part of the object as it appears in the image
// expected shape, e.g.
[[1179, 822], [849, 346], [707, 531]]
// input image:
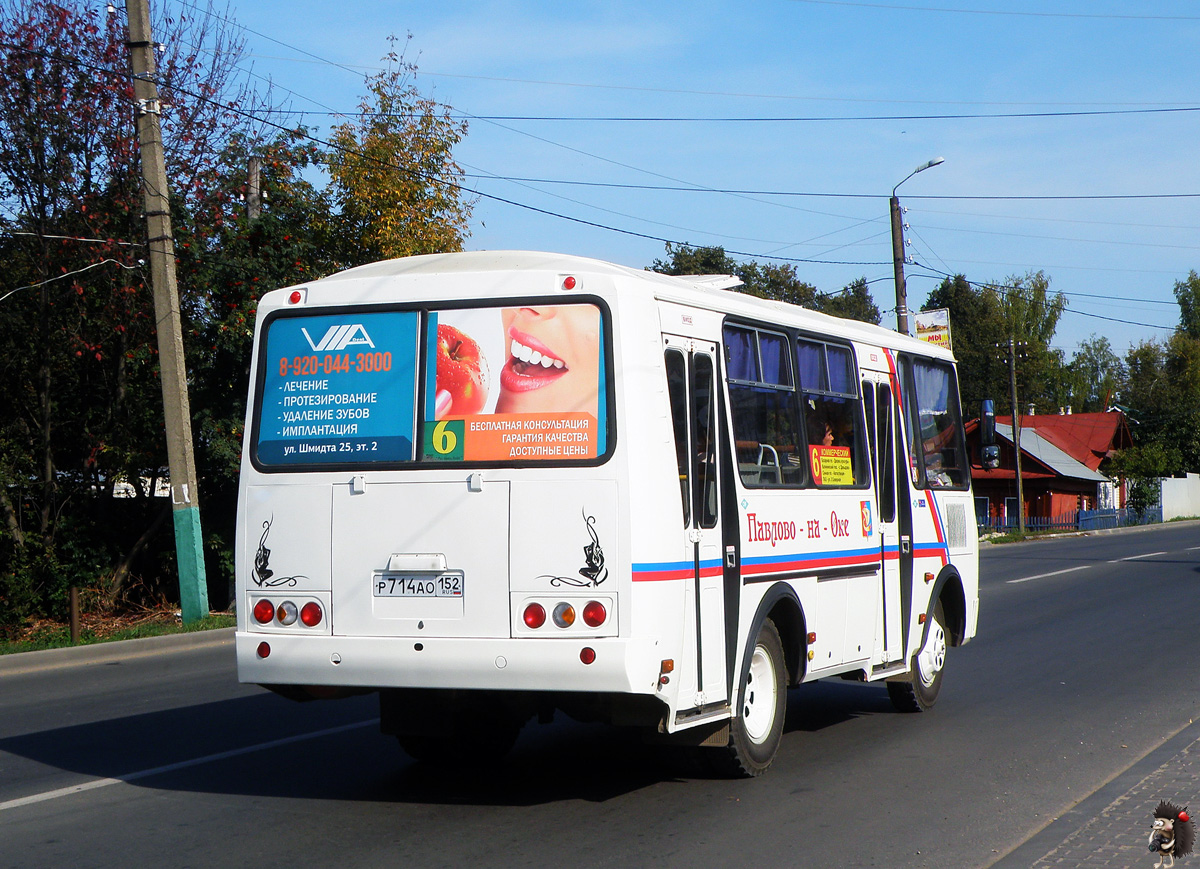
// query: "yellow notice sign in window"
[[831, 466]]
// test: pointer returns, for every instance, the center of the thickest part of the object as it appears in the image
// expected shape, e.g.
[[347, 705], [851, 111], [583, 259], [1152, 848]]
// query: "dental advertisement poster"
[[339, 389], [515, 384]]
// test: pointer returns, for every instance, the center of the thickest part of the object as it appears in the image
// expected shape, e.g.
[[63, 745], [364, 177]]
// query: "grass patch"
[[56, 635]]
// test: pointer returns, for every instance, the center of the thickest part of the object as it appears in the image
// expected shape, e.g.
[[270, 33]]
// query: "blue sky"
[[1106, 95]]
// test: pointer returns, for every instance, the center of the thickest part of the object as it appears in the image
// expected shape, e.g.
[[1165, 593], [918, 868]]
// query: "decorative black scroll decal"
[[263, 573], [594, 571]]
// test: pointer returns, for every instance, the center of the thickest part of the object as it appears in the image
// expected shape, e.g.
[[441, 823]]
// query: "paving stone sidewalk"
[[1111, 827]]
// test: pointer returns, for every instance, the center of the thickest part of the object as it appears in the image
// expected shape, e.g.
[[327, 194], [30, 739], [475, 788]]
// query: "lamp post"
[[898, 248]]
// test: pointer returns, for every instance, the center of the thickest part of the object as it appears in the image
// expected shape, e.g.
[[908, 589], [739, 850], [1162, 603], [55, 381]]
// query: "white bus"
[[494, 485]]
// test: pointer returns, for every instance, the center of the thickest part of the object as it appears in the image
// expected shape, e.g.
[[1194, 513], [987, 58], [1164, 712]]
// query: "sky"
[[778, 130]]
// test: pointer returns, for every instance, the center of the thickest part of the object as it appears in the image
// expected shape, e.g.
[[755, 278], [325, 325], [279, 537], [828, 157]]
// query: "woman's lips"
[[531, 364]]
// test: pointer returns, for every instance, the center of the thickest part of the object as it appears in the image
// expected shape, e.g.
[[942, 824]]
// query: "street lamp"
[[898, 248]]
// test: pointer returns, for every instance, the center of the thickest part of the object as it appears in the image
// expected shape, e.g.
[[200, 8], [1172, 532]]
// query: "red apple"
[[461, 371]]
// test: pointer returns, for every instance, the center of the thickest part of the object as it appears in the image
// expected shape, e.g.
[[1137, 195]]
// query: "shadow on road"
[[561, 761]]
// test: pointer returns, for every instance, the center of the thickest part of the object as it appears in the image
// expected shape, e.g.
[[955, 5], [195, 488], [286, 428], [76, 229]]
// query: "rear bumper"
[[621, 665]]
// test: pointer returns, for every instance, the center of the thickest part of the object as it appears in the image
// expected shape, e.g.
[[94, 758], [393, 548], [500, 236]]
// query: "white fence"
[[1180, 497]]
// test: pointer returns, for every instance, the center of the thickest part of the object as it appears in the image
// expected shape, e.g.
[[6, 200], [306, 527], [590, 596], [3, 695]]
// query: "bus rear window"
[[500, 385]]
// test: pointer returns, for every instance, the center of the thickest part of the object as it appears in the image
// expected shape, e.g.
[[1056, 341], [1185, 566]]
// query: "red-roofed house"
[[1061, 458]]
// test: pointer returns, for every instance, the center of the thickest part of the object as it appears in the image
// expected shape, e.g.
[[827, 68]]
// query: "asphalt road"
[[1085, 663]]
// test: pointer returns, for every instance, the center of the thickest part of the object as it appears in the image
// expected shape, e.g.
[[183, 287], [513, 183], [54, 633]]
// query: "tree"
[[1094, 378], [1187, 293], [396, 185], [977, 333], [769, 281], [854, 303], [85, 408]]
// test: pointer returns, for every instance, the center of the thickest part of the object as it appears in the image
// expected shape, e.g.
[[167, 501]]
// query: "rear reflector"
[[264, 650]]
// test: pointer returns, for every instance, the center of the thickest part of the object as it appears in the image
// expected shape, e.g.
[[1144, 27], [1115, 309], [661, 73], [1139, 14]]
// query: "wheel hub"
[[932, 657]]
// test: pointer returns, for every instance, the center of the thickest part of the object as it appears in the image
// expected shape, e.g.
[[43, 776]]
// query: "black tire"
[[920, 690], [757, 725]]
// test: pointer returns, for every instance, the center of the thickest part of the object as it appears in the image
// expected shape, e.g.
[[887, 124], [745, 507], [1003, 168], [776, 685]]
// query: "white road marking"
[[1135, 557], [1046, 575], [172, 767]]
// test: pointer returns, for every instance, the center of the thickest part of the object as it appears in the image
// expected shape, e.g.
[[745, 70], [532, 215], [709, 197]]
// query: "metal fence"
[[1081, 520]]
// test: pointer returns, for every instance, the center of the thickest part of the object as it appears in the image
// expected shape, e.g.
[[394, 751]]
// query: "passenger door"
[[895, 523], [692, 386]]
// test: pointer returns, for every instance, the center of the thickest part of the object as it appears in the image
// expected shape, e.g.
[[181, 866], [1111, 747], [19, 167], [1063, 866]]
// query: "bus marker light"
[[928, 577], [667, 666], [569, 282], [812, 637], [535, 615], [594, 614], [587, 655], [564, 615], [264, 611], [287, 612], [295, 297], [264, 650], [311, 614], [921, 619]]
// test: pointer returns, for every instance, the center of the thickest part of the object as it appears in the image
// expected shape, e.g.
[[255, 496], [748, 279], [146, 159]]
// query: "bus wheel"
[[920, 691], [757, 725]]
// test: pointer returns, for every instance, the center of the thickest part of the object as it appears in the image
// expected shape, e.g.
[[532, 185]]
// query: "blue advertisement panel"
[[339, 388]]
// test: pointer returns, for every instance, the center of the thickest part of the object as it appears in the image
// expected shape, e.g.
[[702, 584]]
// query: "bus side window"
[[837, 442], [764, 406], [677, 394], [938, 447]]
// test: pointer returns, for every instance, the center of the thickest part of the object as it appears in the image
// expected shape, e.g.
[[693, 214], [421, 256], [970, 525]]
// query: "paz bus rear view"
[[493, 485]]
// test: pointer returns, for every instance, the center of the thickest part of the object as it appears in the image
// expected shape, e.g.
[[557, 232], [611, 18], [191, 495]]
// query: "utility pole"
[[897, 217], [254, 188], [898, 265], [1016, 427], [189, 542]]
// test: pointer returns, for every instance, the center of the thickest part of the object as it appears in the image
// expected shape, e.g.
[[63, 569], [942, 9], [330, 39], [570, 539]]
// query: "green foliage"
[[83, 411], [770, 281], [1187, 293], [983, 321], [396, 185], [1163, 394]]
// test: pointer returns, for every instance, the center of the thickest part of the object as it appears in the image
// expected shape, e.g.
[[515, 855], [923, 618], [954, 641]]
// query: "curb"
[[118, 650]]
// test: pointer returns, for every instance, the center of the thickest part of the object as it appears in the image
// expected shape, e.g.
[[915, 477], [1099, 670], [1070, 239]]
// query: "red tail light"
[[264, 611], [594, 614], [311, 614], [535, 615]]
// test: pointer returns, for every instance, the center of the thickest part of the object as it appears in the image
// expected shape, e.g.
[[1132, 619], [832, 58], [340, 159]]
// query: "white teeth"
[[534, 357]]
